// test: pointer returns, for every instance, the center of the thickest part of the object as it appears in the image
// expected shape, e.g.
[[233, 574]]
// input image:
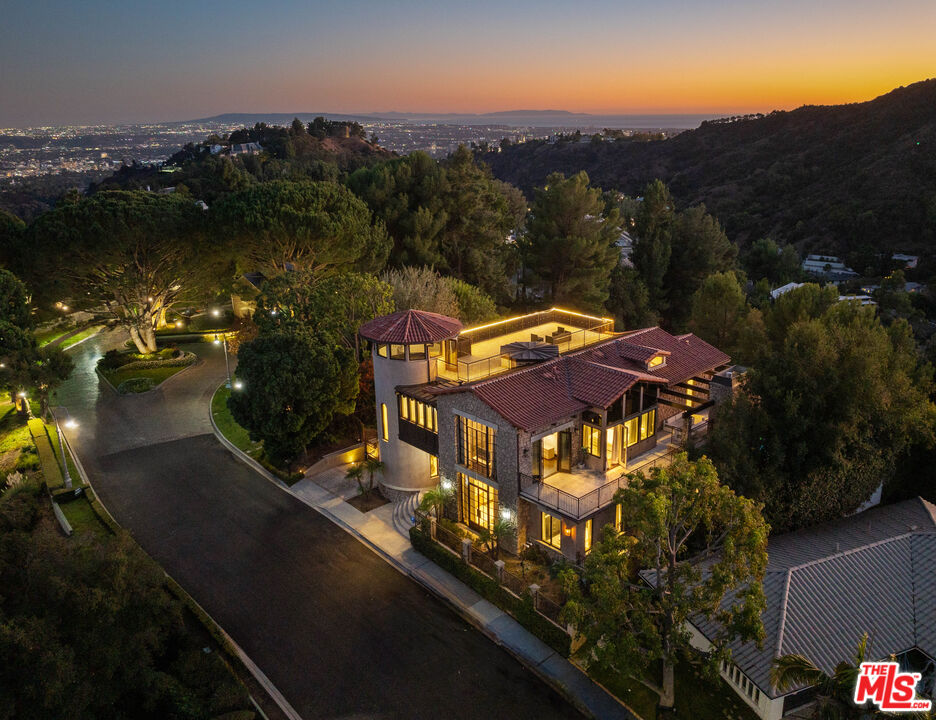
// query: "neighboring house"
[[874, 572], [250, 148], [827, 266], [863, 299], [909, 261], [246, 290], [784, 289], [537, 418]]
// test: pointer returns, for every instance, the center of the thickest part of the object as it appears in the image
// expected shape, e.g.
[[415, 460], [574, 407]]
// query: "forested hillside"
[[848, 179]]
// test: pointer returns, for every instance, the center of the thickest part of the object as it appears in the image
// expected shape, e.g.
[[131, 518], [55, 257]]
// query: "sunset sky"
[[111, 61]]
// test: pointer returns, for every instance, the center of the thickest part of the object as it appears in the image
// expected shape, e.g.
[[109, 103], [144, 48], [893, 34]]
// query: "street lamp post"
[[61, 439], [227, 363]]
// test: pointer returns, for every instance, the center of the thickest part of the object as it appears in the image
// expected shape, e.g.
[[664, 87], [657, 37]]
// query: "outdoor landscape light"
[[216, 312], [238, 384], [22, 393], [71, 423], [178, 323], [446, 484], [505, 514], [216, 341]]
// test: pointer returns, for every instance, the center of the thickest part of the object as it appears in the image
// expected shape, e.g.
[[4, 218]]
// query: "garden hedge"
[[521, 609]]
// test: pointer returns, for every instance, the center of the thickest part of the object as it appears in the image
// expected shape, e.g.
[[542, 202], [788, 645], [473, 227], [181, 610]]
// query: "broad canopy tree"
[[704, 549], [135, 253], [284, 225]]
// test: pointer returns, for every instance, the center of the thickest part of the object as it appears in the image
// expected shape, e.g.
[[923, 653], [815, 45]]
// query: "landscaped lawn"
[[81, 517], [44, 337], [238, 436], [157, 375], [697, 698], [78, 337], [17, 451]]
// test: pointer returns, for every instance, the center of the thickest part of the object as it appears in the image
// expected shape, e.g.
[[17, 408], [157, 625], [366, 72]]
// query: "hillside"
[[850, 179]]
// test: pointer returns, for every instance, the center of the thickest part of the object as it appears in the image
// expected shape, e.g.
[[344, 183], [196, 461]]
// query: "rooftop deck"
[[568, 331], [580, 493]]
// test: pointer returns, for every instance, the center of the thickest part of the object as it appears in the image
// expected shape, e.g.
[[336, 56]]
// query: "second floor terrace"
[[480, 352]]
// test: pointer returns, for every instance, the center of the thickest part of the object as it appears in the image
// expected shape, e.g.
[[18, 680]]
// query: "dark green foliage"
[[849, 179], [521, 609], [835, 400], [324, 305], [136, 253], [570, 245], [294, 384], [451, 216], [87, 629], [304, 225], [629, 299], [767, 260], [11, 229], [14, 300]]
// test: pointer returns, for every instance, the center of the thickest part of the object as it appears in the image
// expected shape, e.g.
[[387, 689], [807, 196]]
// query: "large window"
[[647, 424], [591, 440], [478, 503], [588, 535], [384, 430], [639, 427], [476, 446], [418, 413], [551, 531]]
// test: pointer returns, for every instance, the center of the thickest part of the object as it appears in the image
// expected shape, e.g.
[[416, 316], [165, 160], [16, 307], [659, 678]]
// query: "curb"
[[251, 666], [441, 593]]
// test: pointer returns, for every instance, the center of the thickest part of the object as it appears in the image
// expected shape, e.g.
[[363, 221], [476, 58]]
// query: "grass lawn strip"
[[158, 375], [47, 459], [238, 436], [78, 337], [17, 452], [45, 337]]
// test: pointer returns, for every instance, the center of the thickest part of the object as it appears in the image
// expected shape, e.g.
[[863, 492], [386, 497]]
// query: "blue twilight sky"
[[107, 61]]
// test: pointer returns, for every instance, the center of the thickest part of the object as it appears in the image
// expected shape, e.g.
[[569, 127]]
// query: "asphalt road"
[[339, 631]]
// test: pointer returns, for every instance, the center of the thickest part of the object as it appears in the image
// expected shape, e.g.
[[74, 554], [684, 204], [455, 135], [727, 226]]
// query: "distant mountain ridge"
[[851, 179], [515, 118]]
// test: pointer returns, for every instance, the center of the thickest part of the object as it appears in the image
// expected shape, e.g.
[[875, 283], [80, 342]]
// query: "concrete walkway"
[[376, 529]]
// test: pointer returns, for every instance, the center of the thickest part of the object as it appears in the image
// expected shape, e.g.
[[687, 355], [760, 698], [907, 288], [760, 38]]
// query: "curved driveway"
[[337, 630]]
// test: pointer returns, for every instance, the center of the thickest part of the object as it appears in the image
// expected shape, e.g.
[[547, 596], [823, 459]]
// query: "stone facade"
[[505, 454]]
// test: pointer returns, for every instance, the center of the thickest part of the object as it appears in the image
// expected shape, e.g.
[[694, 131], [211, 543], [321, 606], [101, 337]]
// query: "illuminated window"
[[588, 534], [421, 414], [417, 352], [404, 408], [647, 424], [435, 420], [551, 530], [382, 350], [656, 361], [618, 519], [398, 352], [435, 350], [591, 440], [383, 422], [476, 446], [479, 503], [433, 466], [632, 431]]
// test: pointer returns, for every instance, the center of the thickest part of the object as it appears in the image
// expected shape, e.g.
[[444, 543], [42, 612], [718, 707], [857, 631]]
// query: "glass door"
[[479, 503], [613, 445], [565, 451]]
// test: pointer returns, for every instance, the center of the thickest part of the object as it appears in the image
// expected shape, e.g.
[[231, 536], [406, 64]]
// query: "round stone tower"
[[406, 348]]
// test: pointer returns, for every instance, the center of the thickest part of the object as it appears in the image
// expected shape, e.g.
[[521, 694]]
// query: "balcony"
[[581, 493], [569, 331]]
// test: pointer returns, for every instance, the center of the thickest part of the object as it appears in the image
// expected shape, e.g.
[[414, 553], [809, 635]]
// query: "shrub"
[[136, 385], [520, 608]]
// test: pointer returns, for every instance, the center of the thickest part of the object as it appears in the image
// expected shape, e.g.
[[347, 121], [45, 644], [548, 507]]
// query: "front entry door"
[[565, 451]]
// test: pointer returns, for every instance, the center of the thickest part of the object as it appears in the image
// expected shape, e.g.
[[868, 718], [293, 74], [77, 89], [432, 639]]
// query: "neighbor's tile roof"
[[411, 326], [550, 391], [873, 573]]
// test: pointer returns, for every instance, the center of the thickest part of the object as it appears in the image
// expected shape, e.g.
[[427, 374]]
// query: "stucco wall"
[[406, 467]]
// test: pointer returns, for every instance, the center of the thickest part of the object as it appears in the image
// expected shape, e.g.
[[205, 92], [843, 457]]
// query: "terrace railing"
[[580, 506], [480, 368]]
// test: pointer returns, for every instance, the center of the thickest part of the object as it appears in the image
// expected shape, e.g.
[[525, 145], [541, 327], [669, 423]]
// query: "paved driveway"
[[338, 631]]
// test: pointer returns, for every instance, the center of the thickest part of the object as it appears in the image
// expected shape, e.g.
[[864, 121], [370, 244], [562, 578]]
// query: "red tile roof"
[[537, 396], [411, 326]]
